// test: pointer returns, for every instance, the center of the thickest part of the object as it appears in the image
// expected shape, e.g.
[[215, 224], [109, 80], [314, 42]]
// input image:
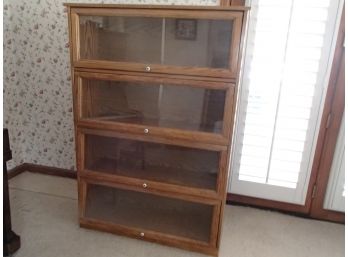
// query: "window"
[[287, 59]]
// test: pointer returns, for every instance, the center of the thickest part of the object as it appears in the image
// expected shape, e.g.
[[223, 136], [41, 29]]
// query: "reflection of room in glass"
[[170, 106], [150, 212], [179, 42], [185, 29], [152, 161]]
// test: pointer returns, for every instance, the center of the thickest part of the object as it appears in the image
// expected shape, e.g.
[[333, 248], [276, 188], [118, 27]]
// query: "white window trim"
[[300, 195]]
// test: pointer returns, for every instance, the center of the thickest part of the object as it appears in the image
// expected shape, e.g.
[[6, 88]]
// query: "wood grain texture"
[[232, 199], [326, 143], [80, 60], [171, 189], [139, 77], [162, 7], [150, 236], [148, 138], [225, 165], [171, 133], [155, 68], [87, 69], [74, 37], [235, 45], [202, 78], [163, 167], [197, 139], [229, 113], [98, 179], [147, 211], [89, 40]]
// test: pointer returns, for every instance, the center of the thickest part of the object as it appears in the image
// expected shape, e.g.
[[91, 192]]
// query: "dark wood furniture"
[[11, 241], [154, 101]]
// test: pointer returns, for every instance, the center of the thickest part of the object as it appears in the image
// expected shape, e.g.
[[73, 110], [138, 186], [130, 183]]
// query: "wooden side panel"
[[82, 194]]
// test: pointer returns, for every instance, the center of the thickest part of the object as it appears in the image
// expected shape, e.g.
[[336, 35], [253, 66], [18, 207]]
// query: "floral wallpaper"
[[37, 82]]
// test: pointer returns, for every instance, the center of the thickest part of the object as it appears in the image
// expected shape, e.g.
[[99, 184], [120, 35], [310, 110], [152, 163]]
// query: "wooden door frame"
[[329, 129], [326, 142]]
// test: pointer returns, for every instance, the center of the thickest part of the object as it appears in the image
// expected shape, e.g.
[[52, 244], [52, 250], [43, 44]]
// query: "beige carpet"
[[44, 213]]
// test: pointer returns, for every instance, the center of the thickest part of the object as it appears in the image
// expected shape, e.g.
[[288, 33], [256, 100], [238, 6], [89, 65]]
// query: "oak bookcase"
[[154, 90]]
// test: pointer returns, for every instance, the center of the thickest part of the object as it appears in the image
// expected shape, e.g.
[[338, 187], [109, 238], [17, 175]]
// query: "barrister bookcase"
[[154, 90]]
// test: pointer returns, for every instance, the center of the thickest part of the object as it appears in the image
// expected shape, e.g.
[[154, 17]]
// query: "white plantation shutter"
[[284, 78]]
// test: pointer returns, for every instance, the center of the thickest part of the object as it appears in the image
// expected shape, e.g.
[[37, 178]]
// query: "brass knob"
[[146, 131], [144, 185], [142, 234], [148, 68]]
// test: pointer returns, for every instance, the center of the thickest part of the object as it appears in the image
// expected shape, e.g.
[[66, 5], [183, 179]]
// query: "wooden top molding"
[[163, 7]]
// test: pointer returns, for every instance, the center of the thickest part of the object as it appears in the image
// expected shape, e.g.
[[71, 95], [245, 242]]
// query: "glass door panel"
[[150, 212], [179, 42], [151, 104], [198, 42], [152, 161], [203, 43], [121, 39]]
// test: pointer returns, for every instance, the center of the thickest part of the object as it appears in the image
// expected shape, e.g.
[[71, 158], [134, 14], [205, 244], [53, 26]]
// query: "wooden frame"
[[182, 13], [153, 186], [159, 237], [168, 76], [236, 5], [159, 140], [329, 129], [151, 236], [170, 133], [232, 199], [200, 77]]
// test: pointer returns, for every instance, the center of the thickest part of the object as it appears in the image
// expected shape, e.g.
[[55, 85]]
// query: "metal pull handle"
[[144, 185], [146, 131], [148, 68]]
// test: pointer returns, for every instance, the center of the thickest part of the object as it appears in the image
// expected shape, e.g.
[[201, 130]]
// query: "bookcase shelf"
[[154, 94]]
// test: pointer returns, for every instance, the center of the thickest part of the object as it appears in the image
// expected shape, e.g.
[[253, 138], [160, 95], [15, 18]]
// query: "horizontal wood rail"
[[232, 199]]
